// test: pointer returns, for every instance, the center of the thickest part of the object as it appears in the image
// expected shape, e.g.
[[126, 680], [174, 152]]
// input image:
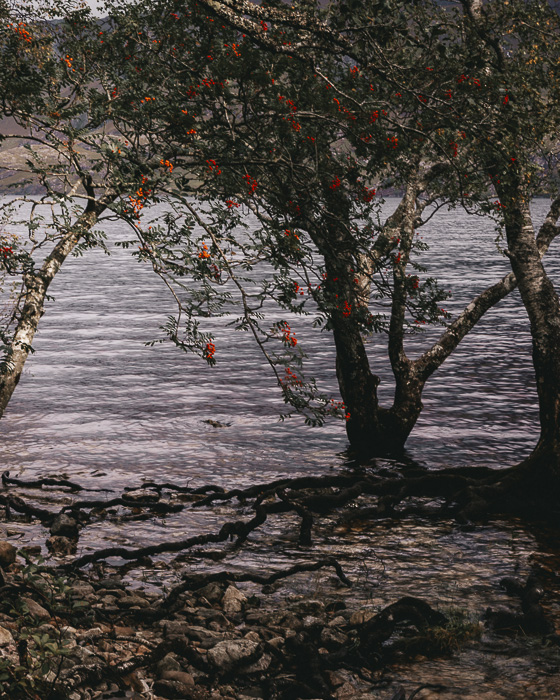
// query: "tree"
[[299, 114], [517, 150], [81, 162]]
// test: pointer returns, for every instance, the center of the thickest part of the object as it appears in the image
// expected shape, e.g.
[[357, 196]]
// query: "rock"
[[133, 601], [31, 550], [337, 621], [168, 663], [233, 601], [61, 546], [7, 554], [277, 642], [90, 635], [259, 666], [180, 676], [228, 654], [206, 638], [108, 600], [310, 622], [115, 592], [174, 690], [36, 610], [253, 636], [82, 590], [111, 583], [213, 592], [208, 615], [335, 679], [361, 616], [5, 637], [174, 628], [333, 638], [309, 607], [65, 526]]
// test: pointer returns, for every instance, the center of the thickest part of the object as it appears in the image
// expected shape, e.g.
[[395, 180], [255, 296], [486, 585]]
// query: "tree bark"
[[543, 308], [36, 284]]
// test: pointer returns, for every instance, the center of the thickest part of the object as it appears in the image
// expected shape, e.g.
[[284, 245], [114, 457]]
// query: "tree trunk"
[[543, 308], [36, 284]]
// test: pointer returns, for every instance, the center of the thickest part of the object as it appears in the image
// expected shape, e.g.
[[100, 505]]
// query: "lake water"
[[93, 397]]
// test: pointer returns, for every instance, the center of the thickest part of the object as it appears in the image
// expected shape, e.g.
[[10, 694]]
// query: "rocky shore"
[[84, 628], [93, 638]]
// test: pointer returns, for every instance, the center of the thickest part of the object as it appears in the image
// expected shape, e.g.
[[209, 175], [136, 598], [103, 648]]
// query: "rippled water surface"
[[99, 406], [94, 397]]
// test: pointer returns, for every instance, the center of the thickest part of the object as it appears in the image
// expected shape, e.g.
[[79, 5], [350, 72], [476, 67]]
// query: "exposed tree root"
[[39, 483], [17, 504], [239, 529], [193, 582], [208, 488], [465, 494]]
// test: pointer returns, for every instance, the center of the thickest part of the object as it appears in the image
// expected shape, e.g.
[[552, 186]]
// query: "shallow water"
[[98, 406]]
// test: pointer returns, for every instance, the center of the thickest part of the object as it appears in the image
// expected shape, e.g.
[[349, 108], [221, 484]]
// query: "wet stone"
[[64, 526], [7, 554]]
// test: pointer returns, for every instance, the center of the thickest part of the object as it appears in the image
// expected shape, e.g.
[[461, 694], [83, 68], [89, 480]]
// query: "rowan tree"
[[298, 116], [82, 164], [494, 106]]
